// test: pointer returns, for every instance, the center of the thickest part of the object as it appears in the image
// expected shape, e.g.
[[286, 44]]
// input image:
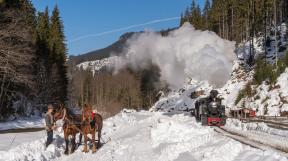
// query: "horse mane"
[[87, 107], [87, 112], [74, 116]]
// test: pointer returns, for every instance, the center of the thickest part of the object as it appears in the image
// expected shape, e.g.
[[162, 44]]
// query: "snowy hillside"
[[270, 100], [260, 45], [239, 78], [142, 136], [100, 64]]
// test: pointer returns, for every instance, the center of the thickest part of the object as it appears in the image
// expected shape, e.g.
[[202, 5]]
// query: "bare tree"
[[16, 54]]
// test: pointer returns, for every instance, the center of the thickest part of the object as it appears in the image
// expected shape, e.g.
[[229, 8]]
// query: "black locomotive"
[[210, 111]]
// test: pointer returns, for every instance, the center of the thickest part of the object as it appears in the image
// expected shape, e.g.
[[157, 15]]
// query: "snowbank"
[[259, 132], [260, 127], [34, 150], [33, 122]]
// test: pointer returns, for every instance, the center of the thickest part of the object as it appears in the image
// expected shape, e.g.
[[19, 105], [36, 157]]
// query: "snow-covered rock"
[[180, 100]]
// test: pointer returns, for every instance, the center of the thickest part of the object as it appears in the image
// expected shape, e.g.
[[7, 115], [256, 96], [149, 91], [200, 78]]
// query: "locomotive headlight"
[[214, 104]]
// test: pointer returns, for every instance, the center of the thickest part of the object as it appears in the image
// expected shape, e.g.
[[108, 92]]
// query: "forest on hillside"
[[33, 59], [236, 20]]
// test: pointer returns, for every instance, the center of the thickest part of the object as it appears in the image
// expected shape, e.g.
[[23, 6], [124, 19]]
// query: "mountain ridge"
[[115, 48]]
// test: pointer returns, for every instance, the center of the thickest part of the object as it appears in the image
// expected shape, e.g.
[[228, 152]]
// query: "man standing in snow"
[[50, 126]]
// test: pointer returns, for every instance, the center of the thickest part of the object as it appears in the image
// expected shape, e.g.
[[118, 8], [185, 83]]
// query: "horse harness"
[[68, 122]]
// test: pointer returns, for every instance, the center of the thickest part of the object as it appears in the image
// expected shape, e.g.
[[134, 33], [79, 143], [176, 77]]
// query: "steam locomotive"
[[210, 111]]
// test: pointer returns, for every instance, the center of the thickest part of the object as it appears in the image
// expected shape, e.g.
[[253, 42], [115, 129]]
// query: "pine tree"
[[199, 19], [182, 19], [195, 17], [43, 25], [186, 15], [44, 65], [206, 14], [56, 40], [58, 51], [192, 15]]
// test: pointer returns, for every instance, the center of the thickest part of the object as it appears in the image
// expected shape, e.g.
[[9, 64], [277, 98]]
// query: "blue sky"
[[91, 17]]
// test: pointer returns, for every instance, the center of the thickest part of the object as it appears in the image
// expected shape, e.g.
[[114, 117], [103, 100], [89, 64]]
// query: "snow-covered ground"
[[12, 140], [22, 123], [156, 136]]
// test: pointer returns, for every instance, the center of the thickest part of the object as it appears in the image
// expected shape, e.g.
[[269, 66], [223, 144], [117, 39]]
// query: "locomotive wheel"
[[204, 120]]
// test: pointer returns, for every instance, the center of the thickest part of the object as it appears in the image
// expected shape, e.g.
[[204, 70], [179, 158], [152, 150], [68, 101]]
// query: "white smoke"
[[184, 53]]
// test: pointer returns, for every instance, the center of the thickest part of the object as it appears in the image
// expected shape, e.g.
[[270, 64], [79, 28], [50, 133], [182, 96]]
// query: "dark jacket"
[[49, 121]]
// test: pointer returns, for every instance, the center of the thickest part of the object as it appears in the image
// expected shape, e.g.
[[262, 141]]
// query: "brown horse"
[[71, 126], [91, 125]]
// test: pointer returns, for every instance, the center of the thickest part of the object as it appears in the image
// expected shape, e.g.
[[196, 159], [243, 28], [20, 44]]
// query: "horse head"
[[87, 112], [60, 112]]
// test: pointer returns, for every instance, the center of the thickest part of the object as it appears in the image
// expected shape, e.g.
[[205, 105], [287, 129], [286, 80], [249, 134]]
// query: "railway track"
[[250, 142], [271, 123]]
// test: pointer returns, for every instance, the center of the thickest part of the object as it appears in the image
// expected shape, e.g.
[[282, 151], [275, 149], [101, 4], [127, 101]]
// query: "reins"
[[64, 114]]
